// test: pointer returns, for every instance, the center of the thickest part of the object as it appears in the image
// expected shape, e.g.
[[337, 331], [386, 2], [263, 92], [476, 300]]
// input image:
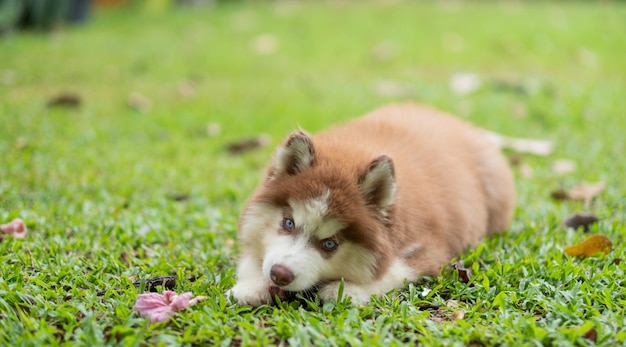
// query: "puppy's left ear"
[[295, 155], [377, 183]]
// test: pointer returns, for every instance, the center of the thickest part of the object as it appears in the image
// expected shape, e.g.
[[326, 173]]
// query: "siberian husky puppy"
[[376, 202]]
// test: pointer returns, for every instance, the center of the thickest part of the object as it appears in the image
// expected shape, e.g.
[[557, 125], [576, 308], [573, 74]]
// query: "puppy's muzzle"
[[281, 275]]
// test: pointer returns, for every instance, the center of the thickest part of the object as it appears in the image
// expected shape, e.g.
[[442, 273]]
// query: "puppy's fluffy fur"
[[376, 202]]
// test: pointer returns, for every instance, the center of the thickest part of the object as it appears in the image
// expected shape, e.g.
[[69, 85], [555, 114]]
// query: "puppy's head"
[[320, 216]]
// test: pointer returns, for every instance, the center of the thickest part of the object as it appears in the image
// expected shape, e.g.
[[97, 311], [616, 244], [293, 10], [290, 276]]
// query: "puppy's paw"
[[359, 294], [250, 294]]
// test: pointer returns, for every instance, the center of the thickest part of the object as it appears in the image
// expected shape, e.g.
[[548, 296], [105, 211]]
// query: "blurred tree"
[[41, 14]]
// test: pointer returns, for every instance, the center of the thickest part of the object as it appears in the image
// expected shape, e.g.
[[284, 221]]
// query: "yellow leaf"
[[592, 245]]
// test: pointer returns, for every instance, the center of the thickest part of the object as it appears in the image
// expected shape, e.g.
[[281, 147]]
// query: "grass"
[[95, 183]]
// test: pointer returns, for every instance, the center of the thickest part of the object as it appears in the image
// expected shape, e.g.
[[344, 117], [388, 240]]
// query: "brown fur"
[[453, 186]]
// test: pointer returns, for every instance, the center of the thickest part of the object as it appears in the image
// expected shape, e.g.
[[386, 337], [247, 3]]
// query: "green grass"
[[94, 184]]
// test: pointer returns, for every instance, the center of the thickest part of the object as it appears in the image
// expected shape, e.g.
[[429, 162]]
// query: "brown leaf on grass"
[[246, 145], [583, 192], [67, 100], [586, 191], [591, 335], [592, 245], [457, 315], [617, 261], [180, 197], [153, 284], [465, 274], [578, 220], [124, 257]]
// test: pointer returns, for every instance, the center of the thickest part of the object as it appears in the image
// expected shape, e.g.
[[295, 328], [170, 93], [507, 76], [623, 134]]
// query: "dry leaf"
[[124, 257], [591, 335], [537, 147], [586, 191], [246, 145], [178, 197], [68, 100], [458, 315], [464, 273], [617, 261], [592, 245], [153, 284], [580, 220], [452, 303]]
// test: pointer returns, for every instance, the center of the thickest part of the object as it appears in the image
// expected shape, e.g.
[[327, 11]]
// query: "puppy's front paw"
[[250, 294], [359, 294]]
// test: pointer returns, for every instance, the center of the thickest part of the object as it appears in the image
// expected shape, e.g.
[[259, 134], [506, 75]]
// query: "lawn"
[[131, 178]]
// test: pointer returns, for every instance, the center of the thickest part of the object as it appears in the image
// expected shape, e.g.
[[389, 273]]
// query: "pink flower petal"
[[181, 302], [15, 228], [159, 307]]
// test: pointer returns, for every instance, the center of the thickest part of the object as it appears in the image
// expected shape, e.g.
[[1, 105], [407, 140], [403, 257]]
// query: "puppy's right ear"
[[295, 155]]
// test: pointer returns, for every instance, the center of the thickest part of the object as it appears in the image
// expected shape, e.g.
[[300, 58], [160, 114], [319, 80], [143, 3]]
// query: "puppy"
[[376, 202]]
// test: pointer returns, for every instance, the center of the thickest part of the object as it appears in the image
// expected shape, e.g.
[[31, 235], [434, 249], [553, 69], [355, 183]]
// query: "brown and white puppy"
[[376, 202]]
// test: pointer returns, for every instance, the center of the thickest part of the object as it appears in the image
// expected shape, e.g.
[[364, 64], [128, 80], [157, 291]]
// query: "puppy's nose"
[[281, 275]]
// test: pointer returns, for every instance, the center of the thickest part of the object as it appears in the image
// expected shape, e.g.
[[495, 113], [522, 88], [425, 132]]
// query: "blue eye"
[[329, 245], [288, 224]]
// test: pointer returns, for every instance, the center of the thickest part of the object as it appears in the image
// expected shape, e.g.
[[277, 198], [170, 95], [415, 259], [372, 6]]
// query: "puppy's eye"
[[329, 245], [289, 224]]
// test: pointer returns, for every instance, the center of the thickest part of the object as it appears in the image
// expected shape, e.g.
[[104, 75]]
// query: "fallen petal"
[[159, 307], [537, 147], [180, 302], [15, 228]]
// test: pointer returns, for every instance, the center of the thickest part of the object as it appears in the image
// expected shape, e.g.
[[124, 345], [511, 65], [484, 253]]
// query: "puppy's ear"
[[377, 183], [295, 155]]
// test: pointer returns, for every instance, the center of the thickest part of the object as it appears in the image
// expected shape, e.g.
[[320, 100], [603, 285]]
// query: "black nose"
[[281, 275]]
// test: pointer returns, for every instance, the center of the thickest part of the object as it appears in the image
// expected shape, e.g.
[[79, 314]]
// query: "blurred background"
[[191, 96]]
